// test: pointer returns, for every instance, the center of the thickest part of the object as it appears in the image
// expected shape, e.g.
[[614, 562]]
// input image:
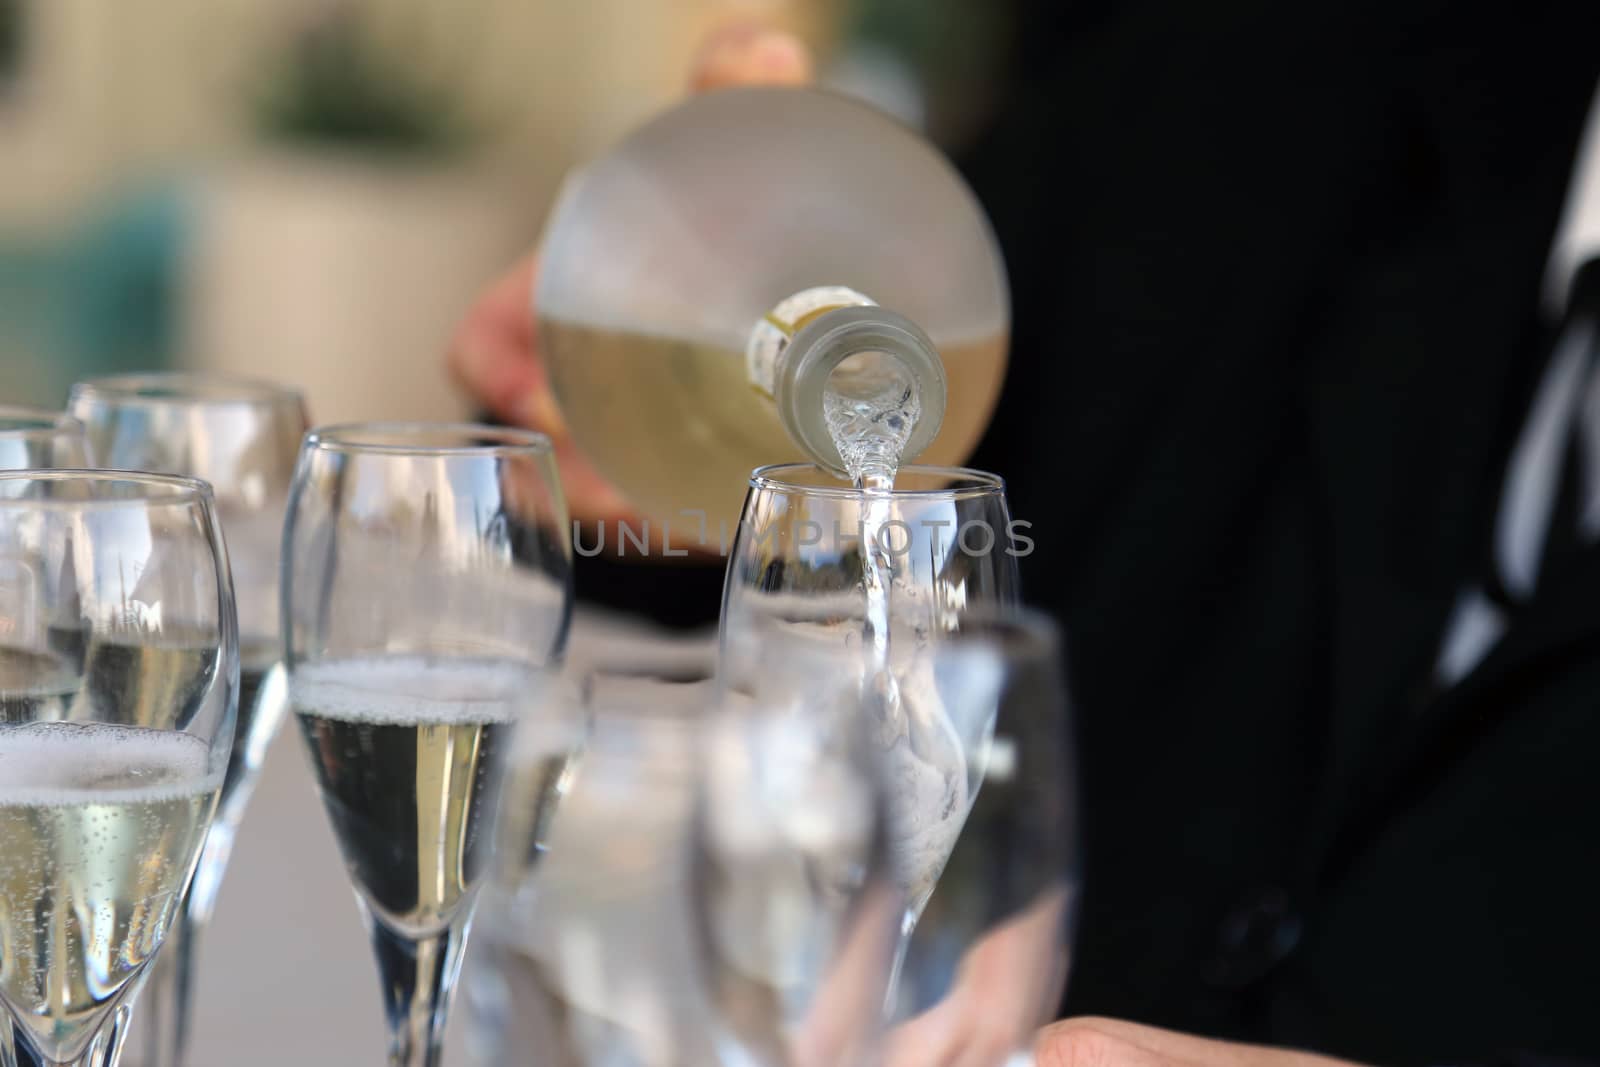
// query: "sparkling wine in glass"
[[113, 745], [242, 436], [426, 585]]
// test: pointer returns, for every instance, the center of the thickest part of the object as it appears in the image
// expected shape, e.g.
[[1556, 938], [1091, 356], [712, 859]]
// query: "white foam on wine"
[[48, 764], [411, 690]]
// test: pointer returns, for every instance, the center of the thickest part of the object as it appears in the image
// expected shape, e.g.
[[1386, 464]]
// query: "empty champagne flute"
[[584, 952], [35, 438], [987, 963], [705, 883], [798, 903], [242, 436], [887, 575], [426, 584], [119, 674]]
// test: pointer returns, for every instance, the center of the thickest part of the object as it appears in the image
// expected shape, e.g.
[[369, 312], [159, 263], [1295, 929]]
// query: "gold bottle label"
[[772, 333]]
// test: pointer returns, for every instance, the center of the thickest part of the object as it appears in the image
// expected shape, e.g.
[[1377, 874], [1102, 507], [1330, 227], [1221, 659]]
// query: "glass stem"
[[169, 993], [164, 1003], [103, 1051], [419, 979], [891, 996]]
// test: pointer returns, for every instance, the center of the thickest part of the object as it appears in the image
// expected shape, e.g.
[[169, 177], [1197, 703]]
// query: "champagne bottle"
[[708, 284]]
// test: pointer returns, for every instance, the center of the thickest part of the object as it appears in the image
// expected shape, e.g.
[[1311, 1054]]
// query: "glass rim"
[[982, 483], [502, 440], [26, 421], [1019, 630], [178, 387], [165, 489]]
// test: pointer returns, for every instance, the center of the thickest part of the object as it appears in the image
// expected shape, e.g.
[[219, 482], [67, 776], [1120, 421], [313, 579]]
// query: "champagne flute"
[[889, 573], [704, 884], [986, 965], [114, 741], [426, 583], [798, 903], [584, 949], [35, 438], [242, 436]]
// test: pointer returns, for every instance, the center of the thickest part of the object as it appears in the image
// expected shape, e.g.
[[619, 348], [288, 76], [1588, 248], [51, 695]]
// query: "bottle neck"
[[796, 349]]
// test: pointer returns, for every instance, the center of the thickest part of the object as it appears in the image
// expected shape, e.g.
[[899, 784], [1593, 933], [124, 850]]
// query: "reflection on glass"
[[585, 952], [32, 438], [705, 882], [119, 672]]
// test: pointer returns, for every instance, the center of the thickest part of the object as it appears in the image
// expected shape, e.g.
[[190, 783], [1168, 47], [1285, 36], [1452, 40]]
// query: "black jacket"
[[1277, 279], [1276, 274]]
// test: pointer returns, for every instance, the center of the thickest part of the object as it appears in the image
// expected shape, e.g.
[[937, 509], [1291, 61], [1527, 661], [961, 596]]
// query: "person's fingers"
[[1095, 1032], [499, 375], [929, 1040], [846, 1009], [590, 498], [967, 1032], [1085, 1043], [510, 299], [1086, 1038], [494, 355], [1026, 956], [745, 53], [538, 410]]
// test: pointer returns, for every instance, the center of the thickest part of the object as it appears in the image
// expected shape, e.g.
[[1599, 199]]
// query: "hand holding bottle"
[[495, 355]]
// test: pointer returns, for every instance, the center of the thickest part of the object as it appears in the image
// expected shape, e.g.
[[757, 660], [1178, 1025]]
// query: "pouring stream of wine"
[[871, 407]]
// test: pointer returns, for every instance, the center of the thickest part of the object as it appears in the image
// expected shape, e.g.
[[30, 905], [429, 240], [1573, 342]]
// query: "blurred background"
[[312, 190]]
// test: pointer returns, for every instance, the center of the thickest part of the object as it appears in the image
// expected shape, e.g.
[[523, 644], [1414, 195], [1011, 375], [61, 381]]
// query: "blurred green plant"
[[333, 86], [11, 41]]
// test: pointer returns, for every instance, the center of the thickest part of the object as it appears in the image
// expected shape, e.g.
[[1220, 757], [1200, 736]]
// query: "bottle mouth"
[[822, 347]]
